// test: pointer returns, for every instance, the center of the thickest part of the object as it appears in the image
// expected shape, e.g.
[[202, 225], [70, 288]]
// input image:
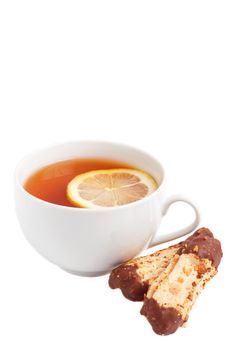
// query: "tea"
[[50, 182]]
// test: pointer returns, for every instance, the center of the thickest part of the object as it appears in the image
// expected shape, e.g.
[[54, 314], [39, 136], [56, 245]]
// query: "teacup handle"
[[181, 232]]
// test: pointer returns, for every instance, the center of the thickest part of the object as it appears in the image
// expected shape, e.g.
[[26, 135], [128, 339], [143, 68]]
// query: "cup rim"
[[91, 210]]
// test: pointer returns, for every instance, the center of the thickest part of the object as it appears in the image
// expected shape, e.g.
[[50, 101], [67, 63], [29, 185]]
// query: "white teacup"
[[91, 242]]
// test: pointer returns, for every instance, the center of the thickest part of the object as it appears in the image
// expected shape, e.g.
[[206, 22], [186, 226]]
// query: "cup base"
[[86, 274]]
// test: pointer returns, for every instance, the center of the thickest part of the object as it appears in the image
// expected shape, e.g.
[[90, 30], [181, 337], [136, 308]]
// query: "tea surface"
[[50, 182]]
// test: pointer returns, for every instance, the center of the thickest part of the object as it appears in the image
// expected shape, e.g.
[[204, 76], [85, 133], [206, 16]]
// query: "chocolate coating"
[[204, 245], [203, 231], [164, 320], [126, 278]]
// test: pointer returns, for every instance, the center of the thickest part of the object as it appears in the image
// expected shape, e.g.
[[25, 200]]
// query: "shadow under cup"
[[88, 242]]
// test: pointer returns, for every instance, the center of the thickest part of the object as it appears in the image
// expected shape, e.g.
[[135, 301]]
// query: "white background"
[[160, 75]]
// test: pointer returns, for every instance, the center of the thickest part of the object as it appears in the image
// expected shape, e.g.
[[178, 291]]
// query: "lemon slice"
[[110, 188]]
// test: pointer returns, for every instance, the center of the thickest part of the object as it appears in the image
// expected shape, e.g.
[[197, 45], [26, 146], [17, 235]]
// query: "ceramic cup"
[[91, 242]]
